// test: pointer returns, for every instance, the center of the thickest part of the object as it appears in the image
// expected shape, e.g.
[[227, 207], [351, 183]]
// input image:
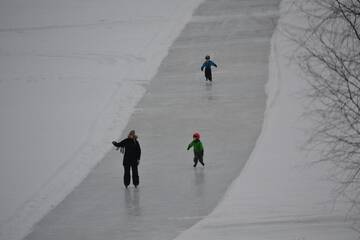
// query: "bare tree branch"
[[331, 60]]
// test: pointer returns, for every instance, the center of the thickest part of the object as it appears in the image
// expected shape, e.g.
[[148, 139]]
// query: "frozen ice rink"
[[228, 113]]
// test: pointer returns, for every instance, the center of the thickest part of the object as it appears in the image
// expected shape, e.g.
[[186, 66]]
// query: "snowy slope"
[[280, 194], [71, 73]]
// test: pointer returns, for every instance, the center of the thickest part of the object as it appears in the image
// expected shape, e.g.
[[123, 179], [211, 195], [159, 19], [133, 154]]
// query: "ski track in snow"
[[101, 23]]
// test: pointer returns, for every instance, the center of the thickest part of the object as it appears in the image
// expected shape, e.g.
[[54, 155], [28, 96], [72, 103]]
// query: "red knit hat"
[[196, 135]]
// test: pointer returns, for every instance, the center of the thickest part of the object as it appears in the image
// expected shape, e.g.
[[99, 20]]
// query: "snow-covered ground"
[[71, 73], [279, 194], [64, 93]]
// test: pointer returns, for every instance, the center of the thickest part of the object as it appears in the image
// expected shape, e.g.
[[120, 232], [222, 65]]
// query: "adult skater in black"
[[207, 65], [132, 152]]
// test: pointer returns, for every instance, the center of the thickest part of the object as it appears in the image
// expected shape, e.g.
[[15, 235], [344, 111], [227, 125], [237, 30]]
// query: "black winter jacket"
[[132, 150]]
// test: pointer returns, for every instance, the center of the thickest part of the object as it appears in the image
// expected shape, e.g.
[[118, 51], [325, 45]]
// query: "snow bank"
[[279, 194], [71, 73]]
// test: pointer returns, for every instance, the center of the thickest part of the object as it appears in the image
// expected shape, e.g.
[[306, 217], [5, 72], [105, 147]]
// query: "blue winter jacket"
[[207, 65]]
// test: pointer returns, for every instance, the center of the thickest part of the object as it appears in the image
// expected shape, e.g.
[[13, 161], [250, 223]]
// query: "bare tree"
[[331, 58]]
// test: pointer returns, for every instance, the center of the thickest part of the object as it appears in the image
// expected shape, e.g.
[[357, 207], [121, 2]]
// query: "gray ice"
[[173, 195]]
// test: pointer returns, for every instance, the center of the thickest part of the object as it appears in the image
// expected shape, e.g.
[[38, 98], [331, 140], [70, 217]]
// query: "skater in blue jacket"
[[207, 65]]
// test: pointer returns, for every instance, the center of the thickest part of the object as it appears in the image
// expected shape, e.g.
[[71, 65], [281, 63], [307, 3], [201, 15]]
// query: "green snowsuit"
[[198, 151], [197, 145]]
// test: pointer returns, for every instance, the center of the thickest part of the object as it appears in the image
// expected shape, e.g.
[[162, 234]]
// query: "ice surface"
[[228, 114]]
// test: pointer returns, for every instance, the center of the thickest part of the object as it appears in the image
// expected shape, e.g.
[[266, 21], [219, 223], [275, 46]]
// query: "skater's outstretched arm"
[[213, 64], [119, 144], [190, 145]]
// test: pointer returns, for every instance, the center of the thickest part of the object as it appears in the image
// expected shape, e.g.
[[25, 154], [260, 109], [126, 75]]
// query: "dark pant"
[[198, 157], [208, 74], [135, 175]]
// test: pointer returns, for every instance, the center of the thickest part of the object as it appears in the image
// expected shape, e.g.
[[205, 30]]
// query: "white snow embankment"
[[71, 73], [279, 194]]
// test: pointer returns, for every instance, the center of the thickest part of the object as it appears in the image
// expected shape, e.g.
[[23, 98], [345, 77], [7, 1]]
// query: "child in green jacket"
[[198, 149]]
